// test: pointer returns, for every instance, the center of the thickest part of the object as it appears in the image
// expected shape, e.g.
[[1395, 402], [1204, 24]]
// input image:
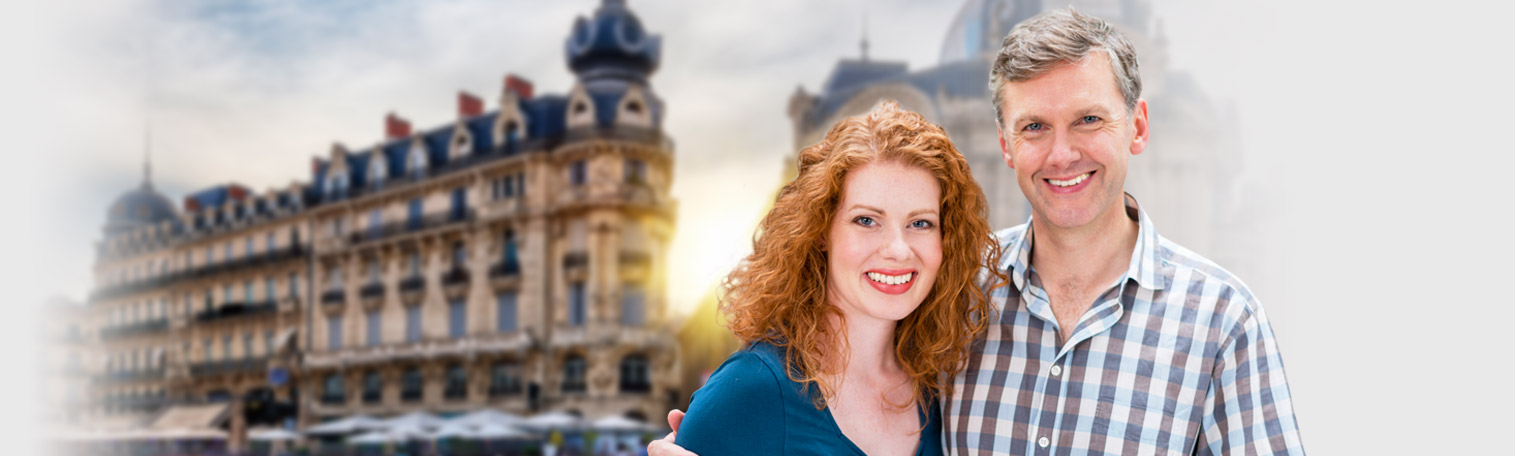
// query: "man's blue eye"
[[1034, 126], [863, 220], [1091, 119]]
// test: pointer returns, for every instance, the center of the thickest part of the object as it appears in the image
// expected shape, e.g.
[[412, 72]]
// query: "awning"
[[179, 417], [284, 339]]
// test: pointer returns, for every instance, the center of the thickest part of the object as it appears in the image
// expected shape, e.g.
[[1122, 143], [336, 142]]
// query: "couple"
[[881, 316]]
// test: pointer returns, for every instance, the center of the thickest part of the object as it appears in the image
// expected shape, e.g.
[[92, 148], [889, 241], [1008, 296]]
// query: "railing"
[[228, 366], [636, 387], [133, 329], [333, 297], [410, 395], [401, 227], [256, 259], [505, 269], [635, 258], [508, 389], [412, 283], [333, 399], [371, 290], [575, 259], [575, 386], [130, 376], [455, 275], [233, 310], [455, 393]]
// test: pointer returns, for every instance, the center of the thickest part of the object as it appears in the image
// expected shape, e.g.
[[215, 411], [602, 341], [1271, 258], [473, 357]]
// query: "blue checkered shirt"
[[1177, 357]]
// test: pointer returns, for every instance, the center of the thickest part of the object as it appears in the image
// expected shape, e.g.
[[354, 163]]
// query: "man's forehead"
[[1067, 88]]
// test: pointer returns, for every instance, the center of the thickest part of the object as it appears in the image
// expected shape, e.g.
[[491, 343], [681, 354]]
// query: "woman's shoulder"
[[757, 366], [740, 410]]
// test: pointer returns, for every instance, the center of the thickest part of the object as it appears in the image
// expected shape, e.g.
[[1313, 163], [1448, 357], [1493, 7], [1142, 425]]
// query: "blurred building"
[[1185, 180], [511, 258]]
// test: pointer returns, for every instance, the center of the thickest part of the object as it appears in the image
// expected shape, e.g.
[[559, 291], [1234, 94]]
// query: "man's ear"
[[1139, 140], [1004, 147]]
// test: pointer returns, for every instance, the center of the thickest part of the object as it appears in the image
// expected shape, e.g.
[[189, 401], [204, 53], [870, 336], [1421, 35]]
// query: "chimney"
[[521, 87], [191, 204], [395, 127], [469, 105]]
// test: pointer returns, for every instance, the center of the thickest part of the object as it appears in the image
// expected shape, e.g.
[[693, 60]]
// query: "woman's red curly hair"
[[778, 293]]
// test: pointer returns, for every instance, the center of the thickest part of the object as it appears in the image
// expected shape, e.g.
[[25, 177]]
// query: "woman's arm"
[[739, 411]]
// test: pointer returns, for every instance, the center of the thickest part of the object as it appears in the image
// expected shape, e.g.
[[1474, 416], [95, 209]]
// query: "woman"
[[858, 302]]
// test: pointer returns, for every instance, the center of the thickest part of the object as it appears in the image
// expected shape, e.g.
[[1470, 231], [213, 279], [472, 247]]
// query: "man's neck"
[[1094, 254]]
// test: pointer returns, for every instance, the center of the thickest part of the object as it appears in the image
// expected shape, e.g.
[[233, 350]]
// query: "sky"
[[1375, 131]]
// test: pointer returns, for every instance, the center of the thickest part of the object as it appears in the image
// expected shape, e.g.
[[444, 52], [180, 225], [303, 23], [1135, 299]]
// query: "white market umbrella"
[[485, 417], [498, 432], [272, 435], [376, 437], [421, 420], [455, 431], [619, 424], [347, 425], [554, 420]]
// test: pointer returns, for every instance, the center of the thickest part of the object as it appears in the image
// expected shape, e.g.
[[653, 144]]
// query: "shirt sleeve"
[[1249, 407], [739, 411]]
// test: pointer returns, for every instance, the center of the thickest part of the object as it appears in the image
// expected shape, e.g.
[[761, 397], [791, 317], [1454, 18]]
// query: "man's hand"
[[665, 446]]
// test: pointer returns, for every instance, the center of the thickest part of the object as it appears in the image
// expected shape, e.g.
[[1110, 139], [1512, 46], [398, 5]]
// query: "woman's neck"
[[868, 347]]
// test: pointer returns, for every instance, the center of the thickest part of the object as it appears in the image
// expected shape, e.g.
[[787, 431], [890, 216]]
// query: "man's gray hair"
[[1060, 36]]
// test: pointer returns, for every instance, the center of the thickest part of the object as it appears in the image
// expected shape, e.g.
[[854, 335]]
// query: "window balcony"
[[232, 366], [575, 260], [236, 310], [201, 271], [333, 297], [372, 292], [145, 327], [455, 276], [129, 376], [505, 269]]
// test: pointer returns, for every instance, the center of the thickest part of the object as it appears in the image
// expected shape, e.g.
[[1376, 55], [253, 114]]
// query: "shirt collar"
[[1144, 257]]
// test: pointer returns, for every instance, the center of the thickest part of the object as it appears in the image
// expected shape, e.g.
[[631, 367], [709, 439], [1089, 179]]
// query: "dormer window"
[[462, 144], [634, 107], [377, 170], [580, 107], [417, 160], [511, 134], [336, 186]]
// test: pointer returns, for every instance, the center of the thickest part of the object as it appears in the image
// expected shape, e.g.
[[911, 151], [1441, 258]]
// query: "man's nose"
[[1063, 151]]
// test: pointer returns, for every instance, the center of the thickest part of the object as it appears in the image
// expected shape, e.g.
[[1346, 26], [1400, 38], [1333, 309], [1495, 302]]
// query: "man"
[[1109, 339]]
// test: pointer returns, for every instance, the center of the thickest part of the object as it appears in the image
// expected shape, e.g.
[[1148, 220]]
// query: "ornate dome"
[[981, 25], [612, 44], [138, 208]]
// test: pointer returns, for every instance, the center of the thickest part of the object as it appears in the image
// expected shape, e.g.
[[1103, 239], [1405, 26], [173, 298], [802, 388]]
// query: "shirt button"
[[1057, 370], [1043, 442]]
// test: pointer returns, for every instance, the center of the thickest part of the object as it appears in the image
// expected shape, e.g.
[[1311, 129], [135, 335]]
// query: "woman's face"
[[884, 246]]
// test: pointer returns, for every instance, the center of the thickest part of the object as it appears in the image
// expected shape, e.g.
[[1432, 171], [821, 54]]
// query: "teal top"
[[751, 407]]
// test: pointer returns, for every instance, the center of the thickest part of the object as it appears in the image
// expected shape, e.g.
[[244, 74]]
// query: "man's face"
[[1068, 136]]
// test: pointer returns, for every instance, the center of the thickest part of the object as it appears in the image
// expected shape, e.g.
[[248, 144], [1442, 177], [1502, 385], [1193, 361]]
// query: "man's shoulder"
[[1178, 261]]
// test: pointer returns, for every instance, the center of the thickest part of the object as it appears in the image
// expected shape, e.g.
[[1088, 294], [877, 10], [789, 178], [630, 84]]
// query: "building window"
[[417, 159], [377, 171], [209, 301], [268, 245], [375, 223], [636, 171], [334, 278], [210, 255], [634, 375], [504, 379], [459, 255], [577, 307], [268, 342], [578, 172], [268, 289], [247, 345], [413, 264], [226, 348], [294, 285], [457, 313], [573, 374], [373, 272], [226, 294], [334, 332], [247, 292], [229, 254], [410, 385], [413, 214], [335, 391], [373, 388], [459, 204], [633, 305], [373, 327], [457, 383], [505, 312], [510, 255], [248, 249], [413, 324]]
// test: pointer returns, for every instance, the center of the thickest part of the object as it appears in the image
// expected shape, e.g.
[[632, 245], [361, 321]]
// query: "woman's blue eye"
[[863, 220], [921, 224], [1091, 119]]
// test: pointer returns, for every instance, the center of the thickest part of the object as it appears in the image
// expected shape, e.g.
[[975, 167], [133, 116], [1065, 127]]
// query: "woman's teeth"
[[889, 279]]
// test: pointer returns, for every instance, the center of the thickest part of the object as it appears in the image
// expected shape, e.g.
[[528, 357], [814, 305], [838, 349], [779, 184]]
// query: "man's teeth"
[[889, 279], [1070, 182]]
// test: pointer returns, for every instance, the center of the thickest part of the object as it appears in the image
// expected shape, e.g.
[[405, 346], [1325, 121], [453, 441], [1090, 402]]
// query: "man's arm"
[[1250, 410]]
